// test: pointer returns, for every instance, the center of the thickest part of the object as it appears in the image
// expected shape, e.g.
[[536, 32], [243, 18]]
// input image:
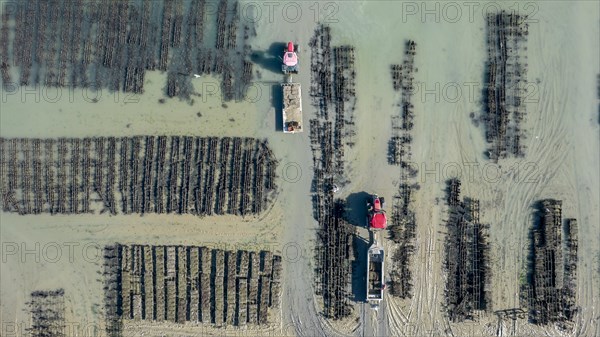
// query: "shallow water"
[[562, 124]]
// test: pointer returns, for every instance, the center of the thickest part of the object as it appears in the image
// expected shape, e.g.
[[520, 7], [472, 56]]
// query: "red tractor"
[[376, 217], [290, 60]]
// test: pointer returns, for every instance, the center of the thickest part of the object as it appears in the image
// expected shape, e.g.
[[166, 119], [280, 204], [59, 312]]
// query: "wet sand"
[[561, 162]]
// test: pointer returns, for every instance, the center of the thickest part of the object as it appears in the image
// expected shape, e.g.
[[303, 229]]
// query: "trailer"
[[375, 280], [292, 107]]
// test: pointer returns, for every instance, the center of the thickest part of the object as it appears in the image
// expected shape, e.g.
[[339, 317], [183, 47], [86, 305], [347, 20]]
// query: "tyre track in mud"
[[519, 194]]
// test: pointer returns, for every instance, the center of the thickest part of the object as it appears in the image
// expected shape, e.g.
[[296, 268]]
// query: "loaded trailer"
[[375, 280], [292, 107]]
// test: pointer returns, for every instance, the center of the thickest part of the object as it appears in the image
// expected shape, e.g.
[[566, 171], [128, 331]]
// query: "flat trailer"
[[292, 107], [375, 281]]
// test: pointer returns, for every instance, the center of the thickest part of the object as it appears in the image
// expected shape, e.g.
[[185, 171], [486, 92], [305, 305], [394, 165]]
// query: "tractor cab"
[[290, 60], [376, 219]]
